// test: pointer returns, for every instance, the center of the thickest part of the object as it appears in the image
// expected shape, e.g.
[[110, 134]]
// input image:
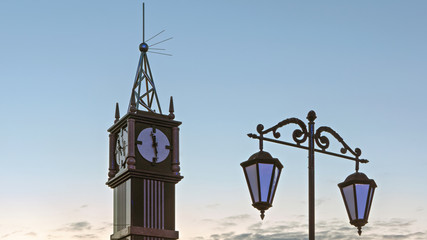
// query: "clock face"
[[122, 148], [153, 145]]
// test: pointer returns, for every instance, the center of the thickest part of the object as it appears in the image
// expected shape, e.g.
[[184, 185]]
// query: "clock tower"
[[144, 163]]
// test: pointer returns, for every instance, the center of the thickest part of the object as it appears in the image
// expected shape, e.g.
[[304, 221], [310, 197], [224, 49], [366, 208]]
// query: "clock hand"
[[119, 147], [155, 144]]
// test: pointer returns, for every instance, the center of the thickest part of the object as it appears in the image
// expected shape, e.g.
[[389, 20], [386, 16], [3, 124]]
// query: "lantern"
[[262, 173], [357, 191]]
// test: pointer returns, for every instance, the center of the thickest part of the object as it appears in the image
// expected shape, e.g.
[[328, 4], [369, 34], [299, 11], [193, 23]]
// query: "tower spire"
[[144, 91]]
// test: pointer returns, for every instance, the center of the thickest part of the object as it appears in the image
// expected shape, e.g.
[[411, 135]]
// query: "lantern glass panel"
[[265, 172], [251, 171], [273, 187], [362, 191], [371, 194], [349, 198]]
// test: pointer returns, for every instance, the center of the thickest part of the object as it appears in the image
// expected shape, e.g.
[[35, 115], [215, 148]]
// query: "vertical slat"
[[155, 204], [151, 204], [163, 205], [144, 203], [149, 207], [148, 203]]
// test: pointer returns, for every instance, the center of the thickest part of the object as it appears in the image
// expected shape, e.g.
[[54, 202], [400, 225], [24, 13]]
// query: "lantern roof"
[[262, 156], [358, 178]]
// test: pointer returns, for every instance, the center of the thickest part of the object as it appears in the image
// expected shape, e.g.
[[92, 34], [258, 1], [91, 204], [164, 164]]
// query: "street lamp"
[[262, 171], [357, 192]]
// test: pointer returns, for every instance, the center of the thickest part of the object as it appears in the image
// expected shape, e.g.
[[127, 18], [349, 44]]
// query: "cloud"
[[332, 230], [238, 217], [420, 235], [225, 223], [419, 209], [79, 226], [300, 235], [104, 226], [85, 236], [9, 234], [221, 236], [213, 206], [395, 222], [76, 226], [33, 234], [231, 221], [81, 230], [16, 234]]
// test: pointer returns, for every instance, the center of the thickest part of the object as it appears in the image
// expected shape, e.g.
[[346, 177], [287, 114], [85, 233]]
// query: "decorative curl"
[[358, 152], [298, 135], [323, 141], [276, 134]]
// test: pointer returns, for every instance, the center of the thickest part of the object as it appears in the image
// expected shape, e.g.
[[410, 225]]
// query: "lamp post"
[[262, 171]]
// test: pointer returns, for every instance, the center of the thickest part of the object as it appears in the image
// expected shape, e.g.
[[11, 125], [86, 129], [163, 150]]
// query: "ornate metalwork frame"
[[302, 135]]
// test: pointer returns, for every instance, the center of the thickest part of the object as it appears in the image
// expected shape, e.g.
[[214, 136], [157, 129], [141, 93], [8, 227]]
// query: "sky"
[[361, 65]]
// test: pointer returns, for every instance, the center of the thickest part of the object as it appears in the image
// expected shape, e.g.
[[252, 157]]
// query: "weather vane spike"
[[144, 91]]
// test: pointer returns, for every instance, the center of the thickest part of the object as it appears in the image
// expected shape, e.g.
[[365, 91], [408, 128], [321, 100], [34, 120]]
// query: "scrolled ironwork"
[[298, 135], [323, 142], [301, 134]]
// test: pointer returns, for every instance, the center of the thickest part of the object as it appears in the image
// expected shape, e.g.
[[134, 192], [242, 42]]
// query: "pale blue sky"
[[361, 65]]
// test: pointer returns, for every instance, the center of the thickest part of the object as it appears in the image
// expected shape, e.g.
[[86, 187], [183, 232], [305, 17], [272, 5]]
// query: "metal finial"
[[171, 109], [359, 230], [117, 115], [262, 214], [143, 47], [311, 116]]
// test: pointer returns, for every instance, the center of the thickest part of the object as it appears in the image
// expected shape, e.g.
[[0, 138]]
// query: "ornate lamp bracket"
[[301, 134]]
